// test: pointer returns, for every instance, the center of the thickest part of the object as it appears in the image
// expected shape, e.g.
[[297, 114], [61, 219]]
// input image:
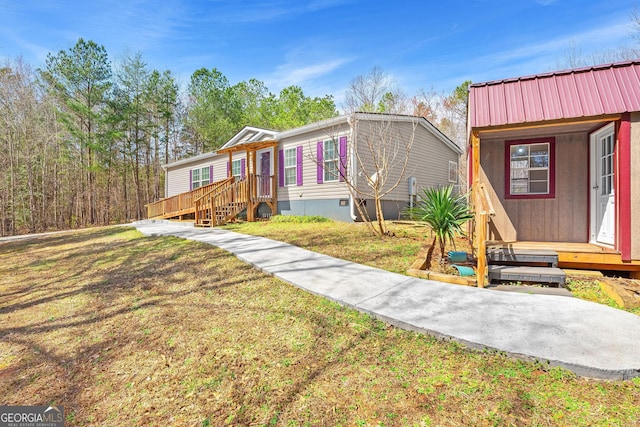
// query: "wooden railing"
[[181, 202], [216, 206], [484, 210], [262, 186]]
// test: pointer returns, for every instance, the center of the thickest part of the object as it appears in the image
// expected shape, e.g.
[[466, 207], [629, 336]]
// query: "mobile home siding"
[[178, 177], [428, 159], [310, 188]]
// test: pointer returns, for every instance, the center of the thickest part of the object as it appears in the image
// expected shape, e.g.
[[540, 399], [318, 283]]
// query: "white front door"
[[603, 210]]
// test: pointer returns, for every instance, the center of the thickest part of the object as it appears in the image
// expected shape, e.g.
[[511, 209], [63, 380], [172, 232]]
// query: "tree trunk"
[[430, 254]]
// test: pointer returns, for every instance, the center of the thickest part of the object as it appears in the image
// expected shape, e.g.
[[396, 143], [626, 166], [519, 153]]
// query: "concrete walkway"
[[589, 339]]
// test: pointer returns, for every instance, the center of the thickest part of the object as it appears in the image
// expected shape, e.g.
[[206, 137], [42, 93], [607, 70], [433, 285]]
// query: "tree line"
[[82, 140]]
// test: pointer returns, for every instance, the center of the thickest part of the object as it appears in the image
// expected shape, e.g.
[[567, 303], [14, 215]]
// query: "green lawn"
[[126, 330]]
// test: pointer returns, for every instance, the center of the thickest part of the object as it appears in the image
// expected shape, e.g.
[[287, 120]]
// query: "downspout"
[[352, 204]]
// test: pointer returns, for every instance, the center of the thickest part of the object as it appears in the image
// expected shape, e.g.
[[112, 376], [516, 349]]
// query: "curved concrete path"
[[589, 339]]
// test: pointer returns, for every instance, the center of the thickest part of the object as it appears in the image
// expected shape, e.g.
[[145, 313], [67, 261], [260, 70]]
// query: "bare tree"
[[377, 161], [376, 92]]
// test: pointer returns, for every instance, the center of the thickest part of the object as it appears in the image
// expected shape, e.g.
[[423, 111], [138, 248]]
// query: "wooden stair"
[[221, 204], [524, 265]]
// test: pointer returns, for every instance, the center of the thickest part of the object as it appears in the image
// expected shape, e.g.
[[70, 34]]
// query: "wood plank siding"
[[560, 219]]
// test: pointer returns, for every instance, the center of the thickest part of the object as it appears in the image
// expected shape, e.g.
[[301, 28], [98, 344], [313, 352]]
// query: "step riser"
[[527, 274], [547, 258]]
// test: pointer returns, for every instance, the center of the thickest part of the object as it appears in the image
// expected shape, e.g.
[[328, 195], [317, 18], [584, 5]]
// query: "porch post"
[[274, 180], [249, 163], [481, 217]]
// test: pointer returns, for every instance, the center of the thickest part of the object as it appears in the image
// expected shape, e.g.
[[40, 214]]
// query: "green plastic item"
[[457, 256], [463, 270]]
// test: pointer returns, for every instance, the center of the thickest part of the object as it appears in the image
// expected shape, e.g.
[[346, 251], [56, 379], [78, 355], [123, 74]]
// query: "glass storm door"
[[603, 210]]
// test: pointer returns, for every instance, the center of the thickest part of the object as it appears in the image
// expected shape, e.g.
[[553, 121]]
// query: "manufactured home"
[[554, 167], [310, 170]]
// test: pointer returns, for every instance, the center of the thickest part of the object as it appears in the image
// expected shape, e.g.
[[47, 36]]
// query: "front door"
[[265, 174], [603, 210]]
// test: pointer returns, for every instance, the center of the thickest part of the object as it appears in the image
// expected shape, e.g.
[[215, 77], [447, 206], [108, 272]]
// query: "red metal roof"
[[569, 94]]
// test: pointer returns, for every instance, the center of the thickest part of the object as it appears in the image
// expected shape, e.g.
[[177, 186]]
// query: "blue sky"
[[321, 45]]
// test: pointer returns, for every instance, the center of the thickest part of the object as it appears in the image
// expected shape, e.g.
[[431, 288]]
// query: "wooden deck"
[[581, 256], [218, 202]]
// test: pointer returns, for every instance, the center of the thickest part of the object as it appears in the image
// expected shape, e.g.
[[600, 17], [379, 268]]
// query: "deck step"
[[522, 256], [527, 274]]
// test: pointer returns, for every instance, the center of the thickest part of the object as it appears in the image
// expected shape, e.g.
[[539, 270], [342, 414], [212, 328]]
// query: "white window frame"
[[236, 169], [197, 177], [331, 166], [290, 166], [453, 172]]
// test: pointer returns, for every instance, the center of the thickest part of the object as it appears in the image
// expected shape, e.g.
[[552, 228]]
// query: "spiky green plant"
[[445, 211]]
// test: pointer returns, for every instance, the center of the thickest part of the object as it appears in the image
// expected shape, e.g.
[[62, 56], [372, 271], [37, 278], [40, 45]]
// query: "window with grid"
[[530, 169], [290, 166], [200, 177], [236, 169], [331, 159]]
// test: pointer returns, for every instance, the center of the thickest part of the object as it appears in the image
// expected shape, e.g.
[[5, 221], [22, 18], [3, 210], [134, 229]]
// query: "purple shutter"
[[190, 180], [299, 165], [243, 165], [210, 174], [343, 157], [320, 163], [281, 168]]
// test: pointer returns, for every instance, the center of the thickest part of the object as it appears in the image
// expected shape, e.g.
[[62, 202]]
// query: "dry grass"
[[354, 242], [126, 330]]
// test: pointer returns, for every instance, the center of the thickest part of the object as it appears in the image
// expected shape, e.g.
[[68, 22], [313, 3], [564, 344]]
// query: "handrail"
[[217, 186], [484, 210], [487, 204], [234, 193], [179, 202]]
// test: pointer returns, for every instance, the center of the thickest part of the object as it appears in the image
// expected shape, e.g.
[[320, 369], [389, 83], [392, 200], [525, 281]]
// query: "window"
[[236, 169], [290, 169], [331, 160], [200, 177], [530, 168], [453, 172]]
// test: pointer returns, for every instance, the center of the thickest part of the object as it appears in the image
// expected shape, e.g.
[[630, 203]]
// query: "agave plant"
[[445, 211]]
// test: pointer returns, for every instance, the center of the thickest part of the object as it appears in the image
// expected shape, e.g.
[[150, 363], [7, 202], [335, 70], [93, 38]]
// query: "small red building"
[[554, 163]]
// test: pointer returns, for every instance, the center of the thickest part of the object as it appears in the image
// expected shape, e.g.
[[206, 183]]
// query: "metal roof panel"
[[583, 92]]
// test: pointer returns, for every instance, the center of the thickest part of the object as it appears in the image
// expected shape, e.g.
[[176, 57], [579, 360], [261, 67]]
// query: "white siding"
[[178, 176], [310, 189]]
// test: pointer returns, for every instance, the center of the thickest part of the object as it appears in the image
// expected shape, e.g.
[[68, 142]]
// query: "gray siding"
[[428, 158], [328, 208]]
